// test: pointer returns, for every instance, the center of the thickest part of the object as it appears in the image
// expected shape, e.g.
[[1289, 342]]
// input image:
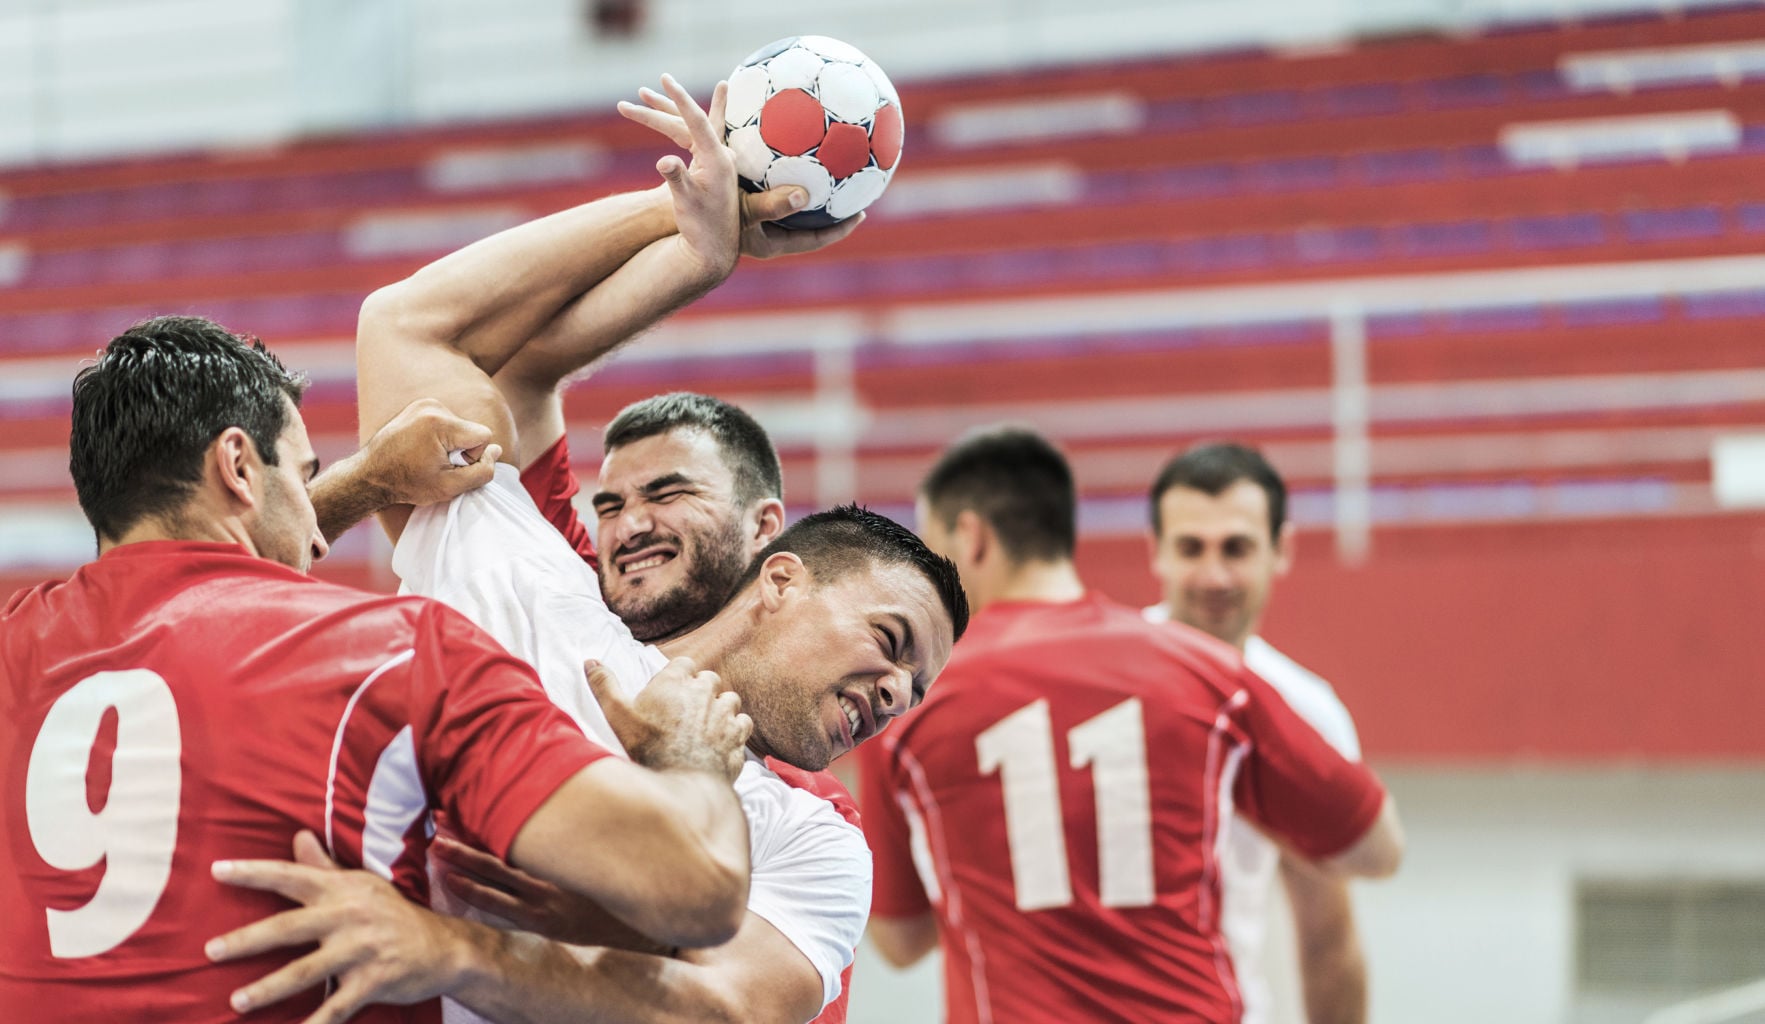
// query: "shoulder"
[[1306, 692], [791, 823]]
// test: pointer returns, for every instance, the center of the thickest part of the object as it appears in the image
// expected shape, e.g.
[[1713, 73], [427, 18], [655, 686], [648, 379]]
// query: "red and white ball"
[[815, 112]]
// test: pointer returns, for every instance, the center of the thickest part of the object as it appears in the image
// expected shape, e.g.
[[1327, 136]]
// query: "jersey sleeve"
[[1295, 784], [494, 747], [553, 485], [811, 873], [896, 888], [1306, 693]]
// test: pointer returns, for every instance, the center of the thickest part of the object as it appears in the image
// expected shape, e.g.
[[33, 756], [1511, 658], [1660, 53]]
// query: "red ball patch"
[[792, 122], [885, 136], [845, 151]]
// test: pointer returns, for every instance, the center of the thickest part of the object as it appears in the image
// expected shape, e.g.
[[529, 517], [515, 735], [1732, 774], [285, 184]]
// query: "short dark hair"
[[747, 451], [157, 397], [847, 538], [1211, 468], [1017, 481]]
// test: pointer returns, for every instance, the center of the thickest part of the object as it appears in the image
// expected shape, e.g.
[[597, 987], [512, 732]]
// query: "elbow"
[[706, 911], [1380, 854], [903, 942]]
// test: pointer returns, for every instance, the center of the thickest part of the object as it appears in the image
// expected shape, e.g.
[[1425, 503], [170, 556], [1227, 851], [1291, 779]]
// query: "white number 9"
[[136, 832]]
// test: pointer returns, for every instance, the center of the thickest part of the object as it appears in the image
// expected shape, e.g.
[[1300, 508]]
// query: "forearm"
[[1335, 985], [652, 285], [672, 849], [492, 296], [518, 978], [345, 494]]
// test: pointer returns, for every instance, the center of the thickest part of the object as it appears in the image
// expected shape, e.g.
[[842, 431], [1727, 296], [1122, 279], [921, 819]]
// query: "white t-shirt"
[[1249, 861], [491, 555]]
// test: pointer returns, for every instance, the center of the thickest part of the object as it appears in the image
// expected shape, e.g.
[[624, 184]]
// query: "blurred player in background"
[[1220, 537], [193, 697], [1051, 814], [836, 627]]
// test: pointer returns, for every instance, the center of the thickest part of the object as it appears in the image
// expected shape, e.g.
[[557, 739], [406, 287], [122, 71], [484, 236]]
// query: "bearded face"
[[672, 536]]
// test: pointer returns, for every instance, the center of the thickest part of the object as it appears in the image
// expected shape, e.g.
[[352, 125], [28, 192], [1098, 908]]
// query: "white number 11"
[[1020, 747]]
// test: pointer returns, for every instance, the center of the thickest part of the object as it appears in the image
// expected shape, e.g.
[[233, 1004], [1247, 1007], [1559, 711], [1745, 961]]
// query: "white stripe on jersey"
[[395, 799], [977, 959], [337, 742]]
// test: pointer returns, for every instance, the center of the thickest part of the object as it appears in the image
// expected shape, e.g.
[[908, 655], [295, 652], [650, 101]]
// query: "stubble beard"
[[714, 564]]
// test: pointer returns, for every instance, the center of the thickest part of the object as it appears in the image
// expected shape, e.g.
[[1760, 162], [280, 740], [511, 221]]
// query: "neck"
[[1051, 582], [182, 527], [704, 645], [1238, 642]]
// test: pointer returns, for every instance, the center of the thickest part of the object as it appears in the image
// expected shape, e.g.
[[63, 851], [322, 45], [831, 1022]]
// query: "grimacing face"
[[670, 534], [286, 528], [831, 666], [1216, 560]]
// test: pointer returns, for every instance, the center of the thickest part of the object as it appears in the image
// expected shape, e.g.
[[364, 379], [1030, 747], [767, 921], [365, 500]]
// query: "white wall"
[[1479, 926], [88, 77]]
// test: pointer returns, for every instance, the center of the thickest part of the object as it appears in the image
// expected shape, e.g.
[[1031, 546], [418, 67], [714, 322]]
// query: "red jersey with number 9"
[[173, 704], [1056, 802]]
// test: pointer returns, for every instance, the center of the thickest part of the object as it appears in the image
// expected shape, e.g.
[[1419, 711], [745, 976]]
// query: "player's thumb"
[[310, 852], [775, 203], [480, 470], [605, 687], [466, 433]]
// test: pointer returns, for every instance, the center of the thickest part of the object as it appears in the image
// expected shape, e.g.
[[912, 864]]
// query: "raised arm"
[[600, 321], [606, 269]]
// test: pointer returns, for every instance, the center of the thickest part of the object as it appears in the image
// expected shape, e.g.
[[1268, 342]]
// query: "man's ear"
[[1286, 547], [783, 578], [234, 461], [973, 536], [767, 523]]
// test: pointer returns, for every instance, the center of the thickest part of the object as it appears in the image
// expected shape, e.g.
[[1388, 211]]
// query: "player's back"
[[1068, 775], [176, 704]]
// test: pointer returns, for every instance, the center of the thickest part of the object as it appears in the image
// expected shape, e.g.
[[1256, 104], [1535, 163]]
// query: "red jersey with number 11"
[[1057, 802], [174, 704]]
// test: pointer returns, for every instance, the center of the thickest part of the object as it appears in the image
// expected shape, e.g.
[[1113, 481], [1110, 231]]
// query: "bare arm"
[[1378, 852], [758, 977], [903, 941], [1333, 970], [602, 320], [406, 462], [664, 851], [383, 949], [612, 267]]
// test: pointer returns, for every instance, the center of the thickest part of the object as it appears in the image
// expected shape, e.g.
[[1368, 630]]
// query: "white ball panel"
[[795, 68], [749, 89], [832, 49], [752, 154], [847, 93], [858, 191], [805, 171], [884, 87]]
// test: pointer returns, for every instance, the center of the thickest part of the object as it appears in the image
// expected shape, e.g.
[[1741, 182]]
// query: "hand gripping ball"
[[815, 112]]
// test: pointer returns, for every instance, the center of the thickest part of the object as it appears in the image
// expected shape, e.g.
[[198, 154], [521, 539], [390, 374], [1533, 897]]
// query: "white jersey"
[[492, 556], [1249, 861]]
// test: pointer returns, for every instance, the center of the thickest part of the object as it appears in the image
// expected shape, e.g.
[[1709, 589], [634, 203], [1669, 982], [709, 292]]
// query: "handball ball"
[[813, 111]]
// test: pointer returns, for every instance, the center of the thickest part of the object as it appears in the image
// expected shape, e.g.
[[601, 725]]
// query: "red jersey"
[[1057, 800], [173, 704], [552, 484]]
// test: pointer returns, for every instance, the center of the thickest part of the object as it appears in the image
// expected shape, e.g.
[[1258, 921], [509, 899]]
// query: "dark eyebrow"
[[660, 483]]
